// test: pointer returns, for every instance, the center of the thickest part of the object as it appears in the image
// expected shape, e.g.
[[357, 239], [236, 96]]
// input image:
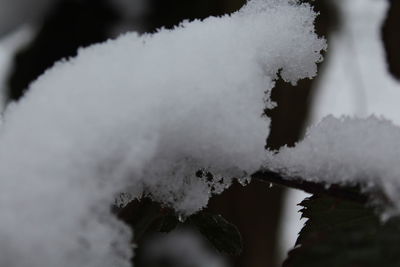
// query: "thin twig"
[[348, 193]]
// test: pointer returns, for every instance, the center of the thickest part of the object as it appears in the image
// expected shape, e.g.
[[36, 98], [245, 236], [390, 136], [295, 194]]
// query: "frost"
[[347, 151], [144, 113]]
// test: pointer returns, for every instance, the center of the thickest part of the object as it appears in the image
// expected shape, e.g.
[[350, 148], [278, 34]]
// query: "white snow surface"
[[145, 113], [347, 151]]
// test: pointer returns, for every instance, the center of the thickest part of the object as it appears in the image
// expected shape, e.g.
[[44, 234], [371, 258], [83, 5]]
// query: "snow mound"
[[347, 151], [144, 113]]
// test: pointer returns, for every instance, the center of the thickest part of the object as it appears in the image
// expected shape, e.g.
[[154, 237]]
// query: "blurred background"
[[359, 76]]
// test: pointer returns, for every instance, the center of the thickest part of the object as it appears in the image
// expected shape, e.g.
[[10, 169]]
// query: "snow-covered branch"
[[303, 184], [141, 114]]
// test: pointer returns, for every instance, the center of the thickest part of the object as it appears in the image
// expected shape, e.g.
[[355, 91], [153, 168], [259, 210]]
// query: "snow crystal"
[[347, 151], [144, 113]]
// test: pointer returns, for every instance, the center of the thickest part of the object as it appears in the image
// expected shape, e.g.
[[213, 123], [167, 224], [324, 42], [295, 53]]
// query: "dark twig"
[[349, 193]]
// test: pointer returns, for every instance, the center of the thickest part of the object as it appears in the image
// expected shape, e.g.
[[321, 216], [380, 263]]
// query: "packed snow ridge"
[[347, 151], [140, 115]]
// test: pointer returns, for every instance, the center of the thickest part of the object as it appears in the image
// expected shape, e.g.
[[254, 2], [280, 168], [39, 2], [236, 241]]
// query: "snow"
[[354, 80], [347, 151], [144, 113]]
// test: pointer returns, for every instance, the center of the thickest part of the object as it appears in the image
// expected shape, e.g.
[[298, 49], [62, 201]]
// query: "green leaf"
[[223, 235], [344, 233]]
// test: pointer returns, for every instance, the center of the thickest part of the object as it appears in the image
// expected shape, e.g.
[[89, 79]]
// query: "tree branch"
[[349, 193]]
